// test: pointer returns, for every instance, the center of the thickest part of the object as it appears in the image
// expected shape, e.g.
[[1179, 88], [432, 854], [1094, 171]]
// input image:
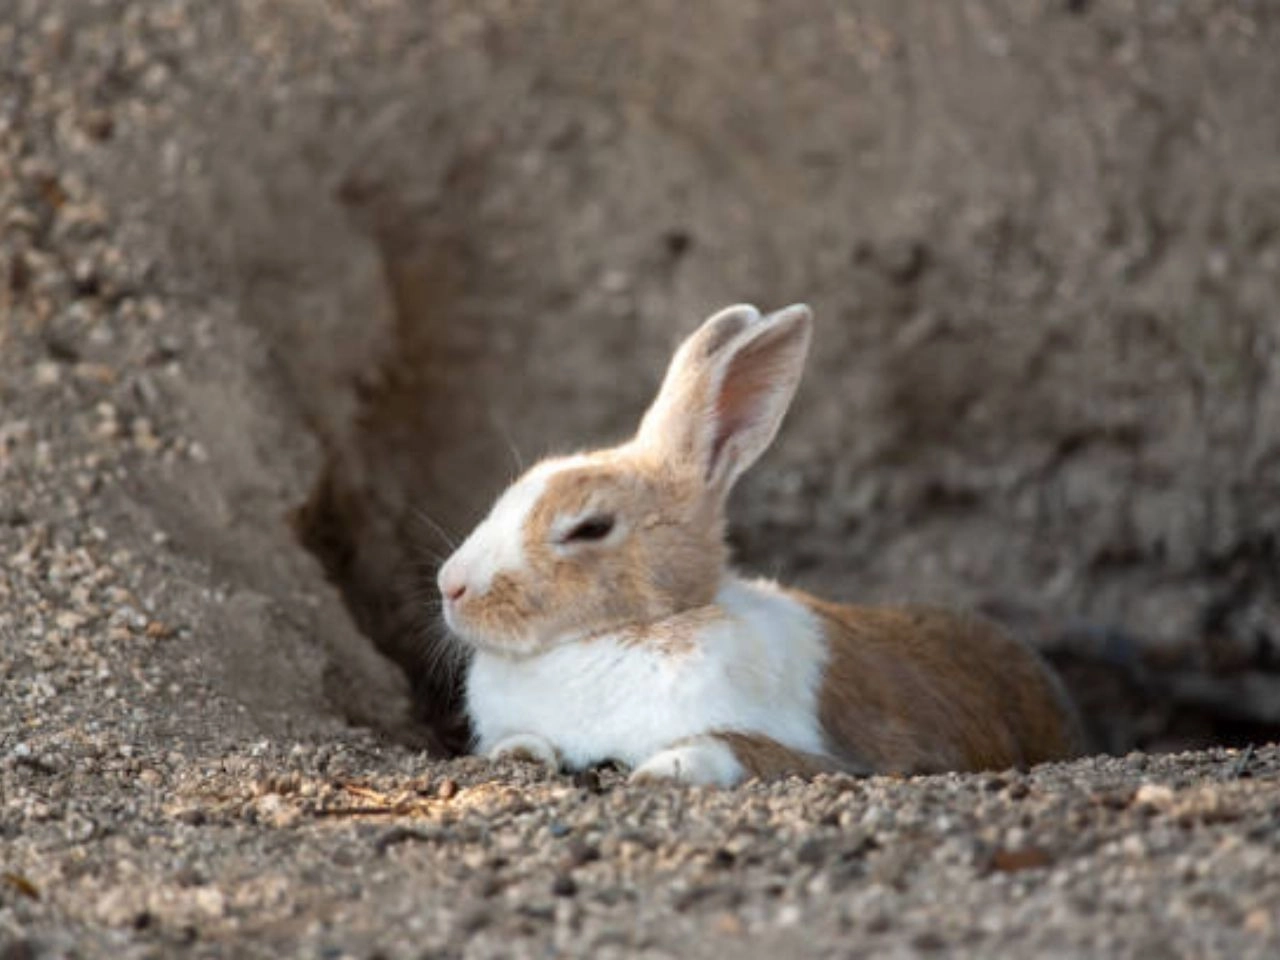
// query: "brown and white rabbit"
[[605, 624]]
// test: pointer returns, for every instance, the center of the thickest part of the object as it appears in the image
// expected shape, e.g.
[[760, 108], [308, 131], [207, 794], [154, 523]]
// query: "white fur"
[[497, 544], [758, 671], [704, 760], [528, 745]]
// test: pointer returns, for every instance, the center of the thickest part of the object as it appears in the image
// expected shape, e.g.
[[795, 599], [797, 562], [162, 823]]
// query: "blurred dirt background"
[[288, 289]]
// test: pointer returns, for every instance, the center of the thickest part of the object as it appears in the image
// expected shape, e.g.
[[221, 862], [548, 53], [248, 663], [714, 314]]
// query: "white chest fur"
[[757, 670]]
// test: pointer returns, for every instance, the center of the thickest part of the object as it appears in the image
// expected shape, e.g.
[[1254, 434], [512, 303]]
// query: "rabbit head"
[[584, 544]]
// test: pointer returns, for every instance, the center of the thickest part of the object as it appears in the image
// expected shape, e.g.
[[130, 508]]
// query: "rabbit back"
[[925, 690]]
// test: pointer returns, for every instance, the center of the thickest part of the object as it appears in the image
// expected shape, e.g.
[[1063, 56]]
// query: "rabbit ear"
[[726, 391]]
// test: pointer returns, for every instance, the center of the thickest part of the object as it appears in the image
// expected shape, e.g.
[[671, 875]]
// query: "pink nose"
[[452, 585]]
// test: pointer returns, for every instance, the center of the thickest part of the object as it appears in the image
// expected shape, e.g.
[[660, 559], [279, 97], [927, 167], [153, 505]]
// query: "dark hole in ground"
[[366, 517]]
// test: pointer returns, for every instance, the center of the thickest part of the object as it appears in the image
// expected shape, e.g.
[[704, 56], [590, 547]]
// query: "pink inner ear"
[[752, 375]]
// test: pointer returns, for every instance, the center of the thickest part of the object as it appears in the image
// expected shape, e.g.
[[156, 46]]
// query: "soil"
[[288, 291]]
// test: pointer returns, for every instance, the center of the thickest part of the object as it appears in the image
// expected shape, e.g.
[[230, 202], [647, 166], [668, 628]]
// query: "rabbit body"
[[604, 624], [888, 690], [750, 662]]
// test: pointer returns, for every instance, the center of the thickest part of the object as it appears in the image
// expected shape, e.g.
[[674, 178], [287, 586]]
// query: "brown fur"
[[506, 605], [675, 635], [923, 690], [668, 563], [767, 759]]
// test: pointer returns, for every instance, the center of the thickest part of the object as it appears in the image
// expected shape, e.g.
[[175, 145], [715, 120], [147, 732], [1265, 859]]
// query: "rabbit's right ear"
[[726, 391]]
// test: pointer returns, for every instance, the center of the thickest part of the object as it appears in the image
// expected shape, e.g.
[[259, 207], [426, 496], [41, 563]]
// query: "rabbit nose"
[[452, 586]]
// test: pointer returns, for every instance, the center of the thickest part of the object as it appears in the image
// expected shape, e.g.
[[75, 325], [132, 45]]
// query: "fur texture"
[[753, 661], [604, 624]]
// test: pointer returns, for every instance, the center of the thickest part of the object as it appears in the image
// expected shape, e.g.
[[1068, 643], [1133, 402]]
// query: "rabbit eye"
[[592, 528]]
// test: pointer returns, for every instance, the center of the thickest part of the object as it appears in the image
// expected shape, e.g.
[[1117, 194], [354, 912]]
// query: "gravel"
[[357, 849]]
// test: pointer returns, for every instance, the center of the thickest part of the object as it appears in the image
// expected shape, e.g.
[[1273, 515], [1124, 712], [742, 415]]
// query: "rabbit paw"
[[698, 761], [526, 747]]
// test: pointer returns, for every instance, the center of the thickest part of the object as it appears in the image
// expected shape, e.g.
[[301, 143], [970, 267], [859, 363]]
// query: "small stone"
[[588, 780], [274, 810], [448, 789], [491, 885], [21, 949], [1134, 845], [564, 885], [878, 923], [98, 124], [19, 273], [1157, 796], [581, 852], [1025, 858], [475, 918], [723, 859], [1259, 921], [929, 940], [1113, 799], [728, 924], [812, 852], [98, 373], [211, 901]]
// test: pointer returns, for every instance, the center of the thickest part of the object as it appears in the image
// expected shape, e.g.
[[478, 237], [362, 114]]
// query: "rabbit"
[[605, 625]]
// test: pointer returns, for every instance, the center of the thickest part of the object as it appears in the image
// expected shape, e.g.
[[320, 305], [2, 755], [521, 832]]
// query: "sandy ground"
[[263, 256]]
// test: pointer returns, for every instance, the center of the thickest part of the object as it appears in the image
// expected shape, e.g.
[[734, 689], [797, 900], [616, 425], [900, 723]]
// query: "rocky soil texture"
[[282, 285]]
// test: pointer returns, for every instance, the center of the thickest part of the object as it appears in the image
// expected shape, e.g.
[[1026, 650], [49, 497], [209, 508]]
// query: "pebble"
[[564, 885], [1154, 795]]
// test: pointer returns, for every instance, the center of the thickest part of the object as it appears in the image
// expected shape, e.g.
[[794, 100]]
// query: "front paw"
[[527, 748], [702, 761]]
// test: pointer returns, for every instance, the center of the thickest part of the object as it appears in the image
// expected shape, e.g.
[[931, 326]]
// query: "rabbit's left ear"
[[726, 392]]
